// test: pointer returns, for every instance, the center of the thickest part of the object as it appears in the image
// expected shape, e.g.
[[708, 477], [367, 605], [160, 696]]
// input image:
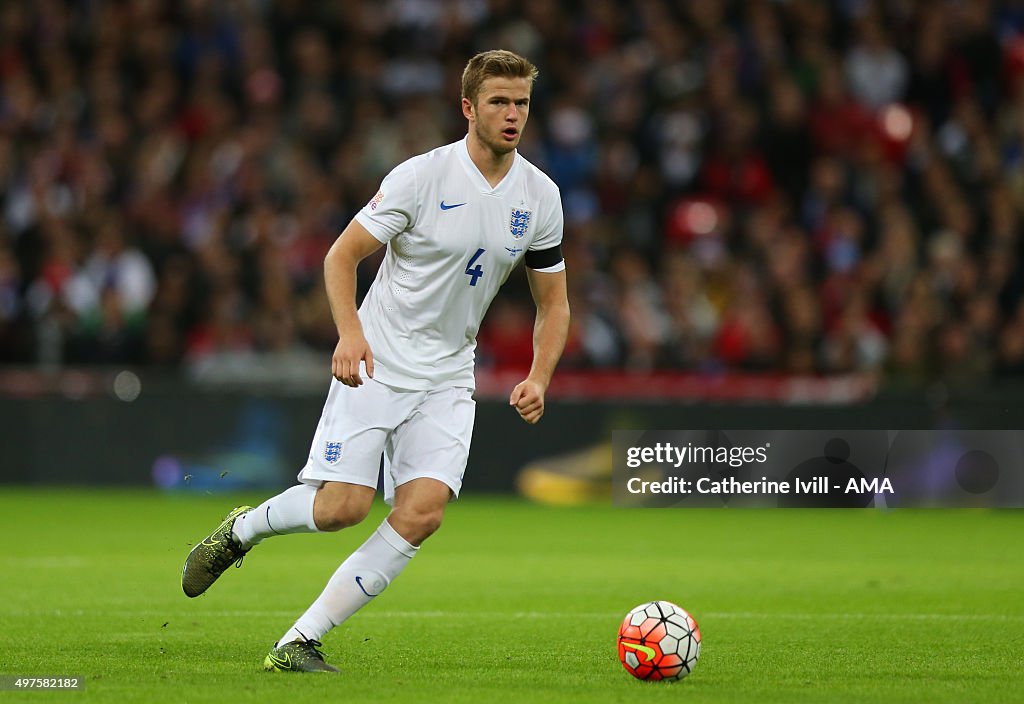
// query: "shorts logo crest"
[[520, 222], [332, 452]]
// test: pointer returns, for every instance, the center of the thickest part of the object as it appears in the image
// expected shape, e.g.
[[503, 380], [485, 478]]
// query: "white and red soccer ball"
[[659, 641]]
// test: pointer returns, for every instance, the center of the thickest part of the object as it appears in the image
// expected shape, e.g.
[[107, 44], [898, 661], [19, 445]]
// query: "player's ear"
[[467, 109]]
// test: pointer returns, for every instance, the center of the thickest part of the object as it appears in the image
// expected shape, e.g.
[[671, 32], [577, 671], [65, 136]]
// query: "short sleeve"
[[545, 251], [393, 209], [550, 233]]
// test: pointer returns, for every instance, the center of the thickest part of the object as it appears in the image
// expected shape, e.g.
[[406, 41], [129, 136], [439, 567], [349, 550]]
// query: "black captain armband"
[[543, 258]]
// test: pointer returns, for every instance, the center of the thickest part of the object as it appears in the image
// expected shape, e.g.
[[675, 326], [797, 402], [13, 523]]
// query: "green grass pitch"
[[513, 602]]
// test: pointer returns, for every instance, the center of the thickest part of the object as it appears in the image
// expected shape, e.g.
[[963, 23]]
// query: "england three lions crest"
[[520, 222], [332, 452]]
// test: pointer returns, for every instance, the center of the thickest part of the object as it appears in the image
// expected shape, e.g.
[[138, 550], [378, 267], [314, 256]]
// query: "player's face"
[[499, 115]]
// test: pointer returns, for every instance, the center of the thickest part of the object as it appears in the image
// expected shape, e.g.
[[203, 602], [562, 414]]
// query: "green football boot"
[[210, 558], [297, 656]]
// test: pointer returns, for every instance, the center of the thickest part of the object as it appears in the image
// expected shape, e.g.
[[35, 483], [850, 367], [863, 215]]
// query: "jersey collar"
[[478, 178]]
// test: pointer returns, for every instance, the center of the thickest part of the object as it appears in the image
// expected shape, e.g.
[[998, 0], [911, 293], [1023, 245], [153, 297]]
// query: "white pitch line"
[[861, 615], [703, 617]]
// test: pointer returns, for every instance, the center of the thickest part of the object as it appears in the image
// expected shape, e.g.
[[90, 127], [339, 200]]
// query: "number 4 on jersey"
[[474, 272]]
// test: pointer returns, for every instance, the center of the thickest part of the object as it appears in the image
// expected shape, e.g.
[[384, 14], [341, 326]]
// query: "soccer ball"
[[659, 641]]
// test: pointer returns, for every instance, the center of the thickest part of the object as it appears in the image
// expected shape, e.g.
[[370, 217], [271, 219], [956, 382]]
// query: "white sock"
[[364, 575], [290, 511]]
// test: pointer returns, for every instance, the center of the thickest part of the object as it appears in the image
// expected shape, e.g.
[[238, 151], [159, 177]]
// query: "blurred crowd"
[[791, 186]]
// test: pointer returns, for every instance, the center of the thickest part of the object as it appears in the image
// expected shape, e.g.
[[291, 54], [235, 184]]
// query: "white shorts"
[[420, 434]]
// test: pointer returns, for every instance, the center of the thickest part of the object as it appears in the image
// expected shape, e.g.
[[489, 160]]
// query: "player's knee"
[[429, 521], [336, 515], [416, 525]]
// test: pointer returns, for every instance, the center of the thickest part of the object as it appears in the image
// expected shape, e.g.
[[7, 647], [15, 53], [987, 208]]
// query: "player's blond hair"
[[489, 64]]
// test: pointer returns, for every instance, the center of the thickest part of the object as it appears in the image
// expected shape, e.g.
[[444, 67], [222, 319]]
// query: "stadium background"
[[771, 203]]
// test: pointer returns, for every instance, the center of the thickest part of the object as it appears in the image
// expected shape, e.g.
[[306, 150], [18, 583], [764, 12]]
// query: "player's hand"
[[348, 353], [528, 399]]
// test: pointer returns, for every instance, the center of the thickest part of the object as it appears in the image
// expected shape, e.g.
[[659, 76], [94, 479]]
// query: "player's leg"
[[426, 458], [419, 508], [305, 509], [369, 570], [346, 451], [338, 457], [337, 505], [291, 511], [300, 509]]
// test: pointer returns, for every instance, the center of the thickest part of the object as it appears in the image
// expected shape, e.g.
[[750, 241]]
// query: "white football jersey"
[[452, 242]]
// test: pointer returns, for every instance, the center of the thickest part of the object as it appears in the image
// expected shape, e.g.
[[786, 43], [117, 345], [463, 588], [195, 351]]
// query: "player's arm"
[[549, 334], [351, 247]]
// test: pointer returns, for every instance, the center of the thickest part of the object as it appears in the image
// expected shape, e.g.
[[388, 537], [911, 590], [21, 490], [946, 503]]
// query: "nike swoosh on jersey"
[[445, 206]]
